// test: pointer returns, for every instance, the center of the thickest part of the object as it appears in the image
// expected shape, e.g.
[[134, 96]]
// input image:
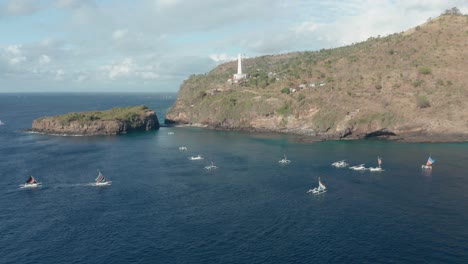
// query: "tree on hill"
[[453, 11]]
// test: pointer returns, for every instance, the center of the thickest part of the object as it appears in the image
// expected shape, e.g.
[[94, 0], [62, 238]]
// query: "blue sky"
[[153, 45]]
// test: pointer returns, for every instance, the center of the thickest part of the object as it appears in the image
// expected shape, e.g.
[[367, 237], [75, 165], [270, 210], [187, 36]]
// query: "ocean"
[[164, 208]]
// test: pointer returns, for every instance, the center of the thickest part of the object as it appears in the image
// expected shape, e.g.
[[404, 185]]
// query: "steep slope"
[[411, 84]]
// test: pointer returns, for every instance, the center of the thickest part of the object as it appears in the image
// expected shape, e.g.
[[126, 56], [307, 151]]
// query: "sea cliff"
[[110, 122], [409, 86]]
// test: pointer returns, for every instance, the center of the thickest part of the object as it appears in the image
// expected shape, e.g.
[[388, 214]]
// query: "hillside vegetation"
[[109, 122], [406, 84]]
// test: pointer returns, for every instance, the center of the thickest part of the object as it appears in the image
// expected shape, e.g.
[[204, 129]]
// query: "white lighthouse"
[[239, 76]]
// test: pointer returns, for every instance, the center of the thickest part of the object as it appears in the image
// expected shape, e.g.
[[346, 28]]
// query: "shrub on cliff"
[[422, 101]]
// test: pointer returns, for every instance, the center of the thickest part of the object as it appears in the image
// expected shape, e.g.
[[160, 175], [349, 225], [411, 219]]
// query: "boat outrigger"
[[318, 190], [101, 180], [358, 167], [340, 164], [429, 163], [30, 183], [284, 160], [379, 168], [199, 157], [211, 167]]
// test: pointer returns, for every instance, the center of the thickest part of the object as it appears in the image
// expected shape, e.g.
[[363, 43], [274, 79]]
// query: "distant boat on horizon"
[[379, 168], [101, 180], [284, 160], [318, 190], [31, 182], [429, 163], [199, 157], [211, 167], [1, 123]]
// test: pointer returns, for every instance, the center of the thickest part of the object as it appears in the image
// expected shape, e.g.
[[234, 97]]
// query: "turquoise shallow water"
[[163, 208]]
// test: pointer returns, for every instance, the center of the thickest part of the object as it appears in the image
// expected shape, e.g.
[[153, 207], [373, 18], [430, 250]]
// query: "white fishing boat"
[[1, 123], [101, 180], [284, 160], [340, 164], [170, 133], [183, 148], [318, 190], [379, 168], [429, 163], [359, 167], [30, 183], [199, 157], [211, 167]]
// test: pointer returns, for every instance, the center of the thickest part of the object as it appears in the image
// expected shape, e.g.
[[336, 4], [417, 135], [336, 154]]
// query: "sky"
[[153, 45]]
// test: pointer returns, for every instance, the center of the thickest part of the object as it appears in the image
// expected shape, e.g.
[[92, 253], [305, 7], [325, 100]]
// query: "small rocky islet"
[[115, 121]]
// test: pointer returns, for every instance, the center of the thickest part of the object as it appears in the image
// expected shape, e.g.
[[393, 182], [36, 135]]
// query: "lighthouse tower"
[[239, 76]]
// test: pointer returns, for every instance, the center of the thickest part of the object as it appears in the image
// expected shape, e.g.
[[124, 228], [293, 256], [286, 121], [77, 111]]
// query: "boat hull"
[[102, 183], [30, 185], [316, 191]]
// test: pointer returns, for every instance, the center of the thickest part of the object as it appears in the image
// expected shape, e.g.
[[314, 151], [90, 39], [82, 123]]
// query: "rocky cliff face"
[[65, 125], [410, 85]]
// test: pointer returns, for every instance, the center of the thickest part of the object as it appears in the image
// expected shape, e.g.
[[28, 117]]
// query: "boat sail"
[[318, 190], [31, 182], [101, 180], [379, 168], [429, 163]]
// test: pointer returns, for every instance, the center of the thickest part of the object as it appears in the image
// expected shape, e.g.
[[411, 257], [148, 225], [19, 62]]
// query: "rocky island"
[[110, 122], [410, 86]]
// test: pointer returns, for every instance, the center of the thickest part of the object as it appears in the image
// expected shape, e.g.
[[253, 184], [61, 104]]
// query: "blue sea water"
[[164, 208]]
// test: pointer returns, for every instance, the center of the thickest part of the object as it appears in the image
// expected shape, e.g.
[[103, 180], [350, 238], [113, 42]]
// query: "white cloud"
[[148, 75], [120, 69], [59, 74], [119, 34], [223, 57], [44, 59], [17, 60], [14, 49], [20, 7], [150, 42]]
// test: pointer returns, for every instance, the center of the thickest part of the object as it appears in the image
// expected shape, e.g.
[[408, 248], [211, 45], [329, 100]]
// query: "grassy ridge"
[[127, 114]]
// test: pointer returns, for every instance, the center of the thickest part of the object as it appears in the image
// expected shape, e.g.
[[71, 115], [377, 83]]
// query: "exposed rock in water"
[[110, 122]]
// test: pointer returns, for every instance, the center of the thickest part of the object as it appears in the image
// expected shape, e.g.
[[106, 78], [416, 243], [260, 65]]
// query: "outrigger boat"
[[340, 164], [318, 190], [30, 183], [100, 180], [183, 148], [196, 157], [211, 167], [358, 167], [379, 160], [284, 160], [429, 163]]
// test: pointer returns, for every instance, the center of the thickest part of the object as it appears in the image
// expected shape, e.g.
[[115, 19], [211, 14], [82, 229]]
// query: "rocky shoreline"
[[409, 137]]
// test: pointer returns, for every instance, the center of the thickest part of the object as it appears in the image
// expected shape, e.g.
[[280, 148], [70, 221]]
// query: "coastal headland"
[[409, 86], [109, 122]]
